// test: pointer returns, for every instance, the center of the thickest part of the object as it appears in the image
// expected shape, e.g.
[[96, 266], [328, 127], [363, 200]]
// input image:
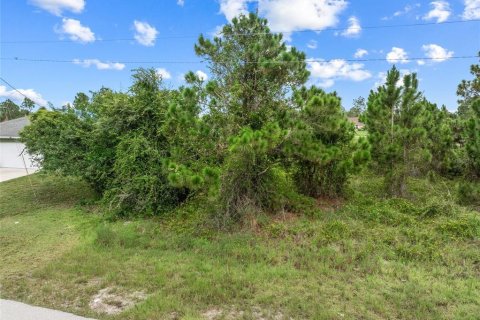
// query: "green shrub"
[[466, 227], [437, 206], [468, 193]]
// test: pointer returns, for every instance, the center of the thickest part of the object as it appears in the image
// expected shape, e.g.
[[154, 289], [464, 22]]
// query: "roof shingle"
[[12, 128]]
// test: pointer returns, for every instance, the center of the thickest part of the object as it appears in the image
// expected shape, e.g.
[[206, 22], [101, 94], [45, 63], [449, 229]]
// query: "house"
[[356, 121], [12, 150]]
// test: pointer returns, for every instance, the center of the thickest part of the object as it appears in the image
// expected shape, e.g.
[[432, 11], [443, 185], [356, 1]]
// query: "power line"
[[11, 86], [179, 36], [78, 61]]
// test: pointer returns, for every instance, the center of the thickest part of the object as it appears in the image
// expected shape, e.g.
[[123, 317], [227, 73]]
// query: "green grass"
[[373, 258]]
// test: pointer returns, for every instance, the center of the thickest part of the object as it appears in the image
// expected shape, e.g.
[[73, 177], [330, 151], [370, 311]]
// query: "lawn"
[[364, 257]]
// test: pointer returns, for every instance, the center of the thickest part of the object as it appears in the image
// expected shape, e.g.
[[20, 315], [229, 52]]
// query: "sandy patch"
[[112, 301]]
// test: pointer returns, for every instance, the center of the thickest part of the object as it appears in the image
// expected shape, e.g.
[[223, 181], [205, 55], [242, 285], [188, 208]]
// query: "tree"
[[322, 144], [472, 145], [27, 104], [468, 91], [9, 110], [252, 72], [117, 142], [358, 107], [469, 189], [444, 151], [58, 141], [395, 122], [469, 128], [304, 143]]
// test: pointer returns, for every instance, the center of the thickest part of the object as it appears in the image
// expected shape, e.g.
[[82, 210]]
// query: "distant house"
[[358, 125], [12, 151]]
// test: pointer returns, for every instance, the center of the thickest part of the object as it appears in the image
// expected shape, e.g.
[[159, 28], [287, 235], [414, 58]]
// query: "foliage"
[[321, 144], [468, 193], [469, 190], [59, 141], [9, 110], [117, 142], [396, 115], [468, 91], [263, 139], [472, 141], [446, 155], [358, 107], [251, 140]]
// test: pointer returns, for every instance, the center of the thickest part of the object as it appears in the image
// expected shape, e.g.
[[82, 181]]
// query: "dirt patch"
[[256, 313], [112, 301]]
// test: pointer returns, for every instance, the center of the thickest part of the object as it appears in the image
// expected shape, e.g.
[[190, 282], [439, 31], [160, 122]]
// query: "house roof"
[[11, 129]]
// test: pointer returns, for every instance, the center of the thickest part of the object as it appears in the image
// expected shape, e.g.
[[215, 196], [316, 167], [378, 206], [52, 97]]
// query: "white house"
[[12, 151]]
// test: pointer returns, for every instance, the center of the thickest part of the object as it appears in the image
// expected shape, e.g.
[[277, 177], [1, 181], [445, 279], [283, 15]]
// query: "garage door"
[[10, 155]]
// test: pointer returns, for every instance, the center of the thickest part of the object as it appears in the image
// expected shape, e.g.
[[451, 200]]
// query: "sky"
[[53, 49]]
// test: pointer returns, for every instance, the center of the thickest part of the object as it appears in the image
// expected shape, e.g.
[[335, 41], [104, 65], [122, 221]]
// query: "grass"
[[373, 258]]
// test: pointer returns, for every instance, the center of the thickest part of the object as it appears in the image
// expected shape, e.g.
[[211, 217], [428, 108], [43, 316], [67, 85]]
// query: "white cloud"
[[99, 64], [360, 53], [145, 34], [440, 11], [312, 44], [421, 62], [181, 2], [284, 16], [397, 55], [162, 72], [19, 96], [408, 8], [472, 10], [75, 31], [202, 75], [327, 72], [353, 29], [56, 7], [233, 8], [436, 52]]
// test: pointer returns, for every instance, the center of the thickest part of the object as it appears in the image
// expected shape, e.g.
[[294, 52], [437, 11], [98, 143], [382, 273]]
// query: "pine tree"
[[252, 70], [439, 124], [395, 122], [322, 145], [472, 138], [468, 91], [469, 189]]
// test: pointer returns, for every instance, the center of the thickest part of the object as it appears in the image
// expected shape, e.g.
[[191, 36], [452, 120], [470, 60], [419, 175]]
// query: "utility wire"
[[78, 61], [11, 86], [179, 36]]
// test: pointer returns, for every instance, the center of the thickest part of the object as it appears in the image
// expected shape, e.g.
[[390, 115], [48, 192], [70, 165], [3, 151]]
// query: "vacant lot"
[[360, 258]]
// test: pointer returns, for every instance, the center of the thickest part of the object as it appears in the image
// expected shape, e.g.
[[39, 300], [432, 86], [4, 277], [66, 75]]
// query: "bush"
[[468, 193]]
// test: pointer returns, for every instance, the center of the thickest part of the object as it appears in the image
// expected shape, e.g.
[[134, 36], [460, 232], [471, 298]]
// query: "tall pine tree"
[[395, 121]]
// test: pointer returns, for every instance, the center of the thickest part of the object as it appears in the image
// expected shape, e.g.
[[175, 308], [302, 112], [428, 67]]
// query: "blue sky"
[[79, 33]]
